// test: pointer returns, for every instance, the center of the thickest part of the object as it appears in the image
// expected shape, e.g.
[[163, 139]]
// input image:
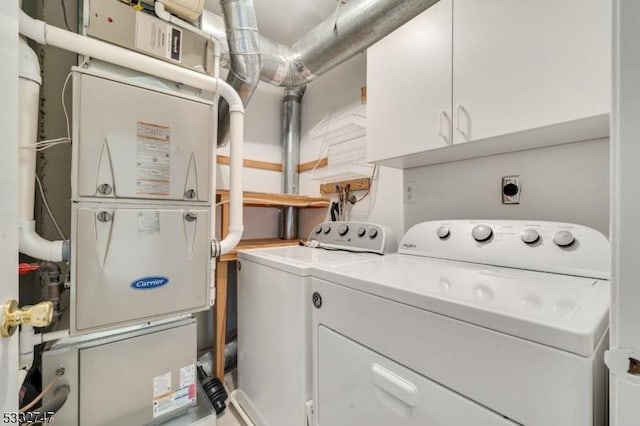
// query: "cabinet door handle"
[[447, 136], [460, 110]]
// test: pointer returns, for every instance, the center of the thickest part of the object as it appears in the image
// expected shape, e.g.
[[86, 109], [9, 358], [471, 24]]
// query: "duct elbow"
[[161, 11], [231, 240], [31, 28], [32, 244]]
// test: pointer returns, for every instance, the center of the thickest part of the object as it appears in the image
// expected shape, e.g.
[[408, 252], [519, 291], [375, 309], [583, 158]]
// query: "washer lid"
[[565, 312], [300, 260]]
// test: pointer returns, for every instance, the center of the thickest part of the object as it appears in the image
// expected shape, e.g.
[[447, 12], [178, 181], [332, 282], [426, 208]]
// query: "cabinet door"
[[409, 86], [523, 64]]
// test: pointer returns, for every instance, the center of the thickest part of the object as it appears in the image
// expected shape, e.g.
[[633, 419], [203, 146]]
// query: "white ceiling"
[[286, 21]]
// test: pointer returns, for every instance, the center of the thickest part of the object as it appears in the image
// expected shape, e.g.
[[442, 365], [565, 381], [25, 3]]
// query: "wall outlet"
[[410, 192], [511, 188]]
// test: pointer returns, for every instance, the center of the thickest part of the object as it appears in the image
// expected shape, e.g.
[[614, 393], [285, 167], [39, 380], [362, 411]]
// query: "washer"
[[274, 318], [471, 323]]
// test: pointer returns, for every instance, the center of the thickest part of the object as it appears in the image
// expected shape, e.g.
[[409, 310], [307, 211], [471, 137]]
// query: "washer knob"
[[529, 236], [443, 232], [563, 238], [362, 231], [343, 230], [481, 233], [326, 229], [373, 232], [318, 229]]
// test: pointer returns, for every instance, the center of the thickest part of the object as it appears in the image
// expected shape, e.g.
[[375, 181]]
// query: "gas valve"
[[11, 316]]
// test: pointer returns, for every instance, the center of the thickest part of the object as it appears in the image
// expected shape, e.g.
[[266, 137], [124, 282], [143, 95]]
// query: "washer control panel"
[[355, 236], [537, 245]]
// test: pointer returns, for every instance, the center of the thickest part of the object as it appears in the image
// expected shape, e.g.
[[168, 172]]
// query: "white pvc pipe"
[[53, 36], [29, 242], [29, 106]]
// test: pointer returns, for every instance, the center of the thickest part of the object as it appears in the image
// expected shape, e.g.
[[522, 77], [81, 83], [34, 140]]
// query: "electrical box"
[[140, 142], [131, 263], [143, 375], [121, 24]]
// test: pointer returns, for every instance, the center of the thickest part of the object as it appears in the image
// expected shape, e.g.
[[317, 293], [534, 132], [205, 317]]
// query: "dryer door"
[[360, 387]]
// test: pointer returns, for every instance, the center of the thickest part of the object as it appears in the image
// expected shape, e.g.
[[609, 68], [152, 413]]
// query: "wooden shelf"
[[264, 199], [250, 199], [256, 243]]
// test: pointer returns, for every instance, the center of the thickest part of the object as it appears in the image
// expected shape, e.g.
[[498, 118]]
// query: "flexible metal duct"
[[244, 51], [358, 25]]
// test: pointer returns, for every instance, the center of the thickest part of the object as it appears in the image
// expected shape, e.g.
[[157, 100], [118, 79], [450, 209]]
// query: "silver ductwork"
[[358, 25], [291, 129], [244, 57]]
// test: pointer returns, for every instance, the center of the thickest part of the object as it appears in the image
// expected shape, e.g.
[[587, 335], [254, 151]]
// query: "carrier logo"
[[149, 283]]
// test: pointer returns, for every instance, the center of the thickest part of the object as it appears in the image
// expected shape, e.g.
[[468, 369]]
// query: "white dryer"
[[274, 318], [471, 323]]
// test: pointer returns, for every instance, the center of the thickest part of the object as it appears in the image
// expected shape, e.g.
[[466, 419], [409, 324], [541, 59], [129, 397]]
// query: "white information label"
[[162, 385], [153, 157], [187, 375], [163, 405], [157, 37], [148, 223]]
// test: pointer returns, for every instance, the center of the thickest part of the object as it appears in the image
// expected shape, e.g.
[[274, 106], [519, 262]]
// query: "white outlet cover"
[[410, 192]]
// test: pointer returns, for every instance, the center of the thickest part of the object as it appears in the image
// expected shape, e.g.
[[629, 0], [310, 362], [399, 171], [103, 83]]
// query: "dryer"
[[274, 318], [471, 323]]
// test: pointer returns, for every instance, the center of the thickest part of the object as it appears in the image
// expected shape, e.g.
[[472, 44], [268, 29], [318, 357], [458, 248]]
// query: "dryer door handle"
[[395, 385]]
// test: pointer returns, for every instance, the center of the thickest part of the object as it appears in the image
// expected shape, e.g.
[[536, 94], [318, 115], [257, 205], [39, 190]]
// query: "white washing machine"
[[274, 317], [471, 323]]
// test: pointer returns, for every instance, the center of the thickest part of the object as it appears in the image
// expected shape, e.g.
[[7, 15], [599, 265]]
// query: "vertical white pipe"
[[29, 92], [31, 243]]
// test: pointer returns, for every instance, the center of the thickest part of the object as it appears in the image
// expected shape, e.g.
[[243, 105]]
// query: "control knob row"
[[483, 233], [344, 229]]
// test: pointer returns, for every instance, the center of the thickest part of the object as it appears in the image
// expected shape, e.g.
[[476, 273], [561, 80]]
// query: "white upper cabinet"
[[507, 75], [525, 64], [409, 86]]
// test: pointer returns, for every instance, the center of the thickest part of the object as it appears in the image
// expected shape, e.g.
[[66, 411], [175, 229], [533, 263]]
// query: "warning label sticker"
[[165, 399], [153, 157], [148, 223], [162, 385], [187, 375], [158, 38]]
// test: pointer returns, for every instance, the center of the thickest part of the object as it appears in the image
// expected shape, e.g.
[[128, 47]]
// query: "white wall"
[[262, 141], [567, 183], [332, 95]]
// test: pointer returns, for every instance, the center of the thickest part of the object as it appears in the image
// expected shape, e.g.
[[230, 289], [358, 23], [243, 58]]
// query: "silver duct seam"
[[245, 58]]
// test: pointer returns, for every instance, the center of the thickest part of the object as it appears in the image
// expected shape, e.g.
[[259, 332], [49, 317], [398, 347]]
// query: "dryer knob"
[[318, 229], [373, 232], [529, 236], [481, 233], [326, 229], [563, 238], [443, 232], [343, 230], [362, 231]]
